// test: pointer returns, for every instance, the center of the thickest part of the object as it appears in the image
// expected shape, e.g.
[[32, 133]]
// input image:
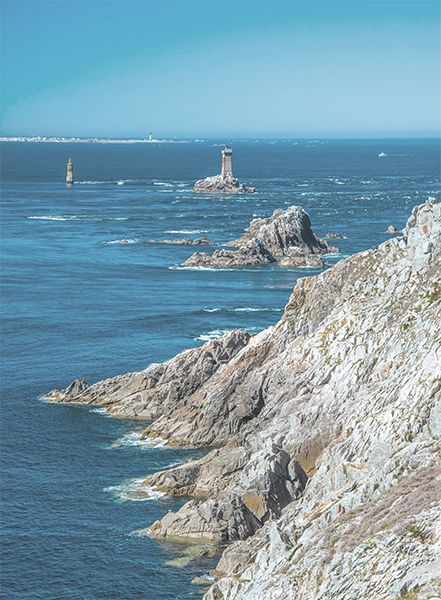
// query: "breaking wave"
[[211, 335], [75, 218], [133, 490], [99, 411], [244, 309], [217, 333], [188, 231], [123, 241], [135, 439]]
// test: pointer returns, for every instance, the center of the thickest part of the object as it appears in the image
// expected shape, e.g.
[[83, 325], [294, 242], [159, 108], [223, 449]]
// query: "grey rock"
[[285, 238], [219, 184], [326, 475], [160, 388]]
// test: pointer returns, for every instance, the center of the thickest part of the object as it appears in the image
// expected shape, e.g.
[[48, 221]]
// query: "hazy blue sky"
[[209, 68]]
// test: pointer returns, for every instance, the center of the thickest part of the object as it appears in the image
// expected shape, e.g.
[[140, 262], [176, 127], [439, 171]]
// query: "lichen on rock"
[[285, 238], [326, 472]]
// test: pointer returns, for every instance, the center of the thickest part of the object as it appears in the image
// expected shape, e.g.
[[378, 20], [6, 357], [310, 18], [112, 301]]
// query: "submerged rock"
[[328, 432], [285, 238], [335, 236], [185, 241]]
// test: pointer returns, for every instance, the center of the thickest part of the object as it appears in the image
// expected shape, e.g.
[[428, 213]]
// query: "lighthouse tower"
[[227, 163], [69, 176]]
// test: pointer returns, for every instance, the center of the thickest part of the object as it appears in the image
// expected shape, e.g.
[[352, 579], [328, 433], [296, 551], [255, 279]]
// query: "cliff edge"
[[328, 478]]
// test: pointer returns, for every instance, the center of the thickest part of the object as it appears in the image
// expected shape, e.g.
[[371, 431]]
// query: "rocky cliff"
[[284, 238], [327, 474]]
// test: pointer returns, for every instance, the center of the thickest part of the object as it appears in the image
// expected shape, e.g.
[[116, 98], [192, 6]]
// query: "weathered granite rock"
[[392, 229], [159, 388], [285, 238], [345, 389], [219, 184]]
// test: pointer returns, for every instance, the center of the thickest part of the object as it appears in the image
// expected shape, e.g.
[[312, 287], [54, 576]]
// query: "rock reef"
[[200, 241], [219, 184], [285, 238], [326, 475]]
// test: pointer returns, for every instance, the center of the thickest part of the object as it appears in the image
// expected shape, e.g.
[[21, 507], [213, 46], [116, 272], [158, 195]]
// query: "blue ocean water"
[[74, 304]]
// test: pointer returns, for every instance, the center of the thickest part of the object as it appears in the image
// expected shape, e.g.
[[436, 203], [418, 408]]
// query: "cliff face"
[[329, 477]]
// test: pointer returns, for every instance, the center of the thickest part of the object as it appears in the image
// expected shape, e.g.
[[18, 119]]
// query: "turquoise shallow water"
[[74, 304]]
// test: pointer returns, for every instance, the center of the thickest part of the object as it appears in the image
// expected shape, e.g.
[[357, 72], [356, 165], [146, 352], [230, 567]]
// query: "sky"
[[243, 68]]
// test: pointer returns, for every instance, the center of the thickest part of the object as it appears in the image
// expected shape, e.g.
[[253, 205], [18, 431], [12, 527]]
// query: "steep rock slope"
[[329, 474]]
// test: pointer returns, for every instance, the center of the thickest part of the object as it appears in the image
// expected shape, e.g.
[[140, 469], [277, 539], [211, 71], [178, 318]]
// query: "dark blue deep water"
[[75, 305]]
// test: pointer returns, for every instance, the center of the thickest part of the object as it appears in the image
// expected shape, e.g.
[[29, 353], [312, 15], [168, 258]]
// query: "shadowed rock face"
[[160, 387], [221, 185], [329, 475], [285, 238]]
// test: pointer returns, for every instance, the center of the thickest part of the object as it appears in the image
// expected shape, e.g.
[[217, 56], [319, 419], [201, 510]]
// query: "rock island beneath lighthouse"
[[225, 183]]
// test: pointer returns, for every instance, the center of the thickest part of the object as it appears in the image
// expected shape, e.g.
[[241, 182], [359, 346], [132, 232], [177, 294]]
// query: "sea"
[[76, 302]]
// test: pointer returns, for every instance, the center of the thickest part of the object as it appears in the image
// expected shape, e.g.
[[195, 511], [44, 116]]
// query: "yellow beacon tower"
[[69, 176]]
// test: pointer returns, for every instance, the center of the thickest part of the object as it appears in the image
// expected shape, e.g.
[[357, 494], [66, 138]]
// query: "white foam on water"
[[188, 231], [217, 333], [244, 309], [139, 533], [255, 309], [134, 490], [93, 182], [99, 411], [211, 335], [123, 241], [220, 269], [163, 183], [134, 439], [75, 218]]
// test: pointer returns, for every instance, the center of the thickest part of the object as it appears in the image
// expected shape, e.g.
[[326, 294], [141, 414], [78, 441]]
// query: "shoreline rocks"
[[326, 477], [285, 238]]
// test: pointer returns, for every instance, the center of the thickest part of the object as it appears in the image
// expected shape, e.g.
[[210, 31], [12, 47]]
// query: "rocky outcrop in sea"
[[219, 184], [325, 476], [200, 241], [285, 238]]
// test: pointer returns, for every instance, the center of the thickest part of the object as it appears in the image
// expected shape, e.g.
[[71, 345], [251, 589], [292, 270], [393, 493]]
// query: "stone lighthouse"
[[227, 163], [69, 176]]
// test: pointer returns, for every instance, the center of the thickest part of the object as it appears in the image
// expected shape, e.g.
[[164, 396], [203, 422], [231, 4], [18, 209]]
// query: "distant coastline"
[[90, 140]]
